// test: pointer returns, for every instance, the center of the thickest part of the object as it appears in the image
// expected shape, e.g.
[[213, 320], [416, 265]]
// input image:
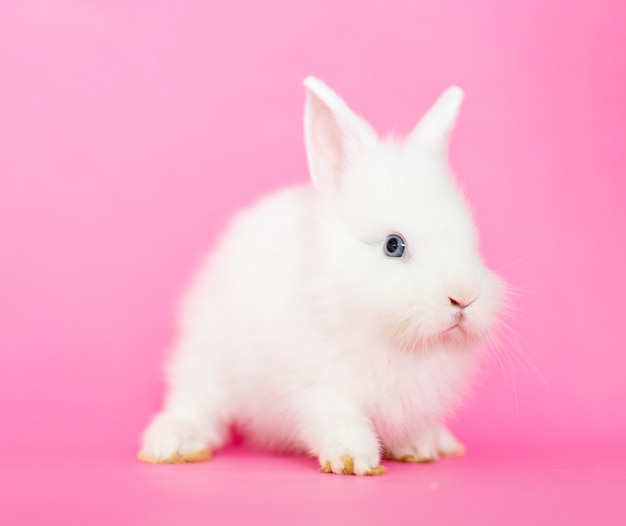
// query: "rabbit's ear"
[[433, 129], [334, 136]]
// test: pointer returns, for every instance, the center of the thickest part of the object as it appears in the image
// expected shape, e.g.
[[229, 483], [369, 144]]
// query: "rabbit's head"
[[399, 248]]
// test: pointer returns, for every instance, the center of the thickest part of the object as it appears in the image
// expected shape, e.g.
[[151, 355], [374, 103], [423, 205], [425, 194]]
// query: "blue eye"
[[394, 246]]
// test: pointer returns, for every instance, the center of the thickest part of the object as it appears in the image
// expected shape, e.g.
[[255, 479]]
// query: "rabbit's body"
[[301, 332]]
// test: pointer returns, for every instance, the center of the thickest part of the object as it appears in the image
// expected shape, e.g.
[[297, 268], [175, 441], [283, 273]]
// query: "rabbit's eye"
[[394, 246]]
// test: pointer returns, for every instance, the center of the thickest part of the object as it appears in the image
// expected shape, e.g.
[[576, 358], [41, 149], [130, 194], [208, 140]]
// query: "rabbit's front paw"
[[427, 446], [351, 464], [171, 440]]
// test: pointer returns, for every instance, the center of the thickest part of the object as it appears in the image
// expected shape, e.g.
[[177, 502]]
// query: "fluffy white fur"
[[302, 333]]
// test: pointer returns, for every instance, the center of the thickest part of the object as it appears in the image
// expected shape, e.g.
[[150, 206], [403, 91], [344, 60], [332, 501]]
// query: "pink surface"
[[130, 131], [240, 487]]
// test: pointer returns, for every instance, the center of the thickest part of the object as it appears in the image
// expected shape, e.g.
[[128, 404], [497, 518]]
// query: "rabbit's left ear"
[[433, 129], [333, 134]]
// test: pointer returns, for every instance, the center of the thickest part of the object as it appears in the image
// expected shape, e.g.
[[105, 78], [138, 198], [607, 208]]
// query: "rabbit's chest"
[[409, 392]]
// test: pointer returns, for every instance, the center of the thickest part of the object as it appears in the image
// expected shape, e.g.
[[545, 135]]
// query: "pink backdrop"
[[130, 131]]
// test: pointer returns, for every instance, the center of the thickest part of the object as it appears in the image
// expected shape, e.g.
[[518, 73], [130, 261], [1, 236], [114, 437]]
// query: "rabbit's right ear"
[[433, 130], [333, 135]]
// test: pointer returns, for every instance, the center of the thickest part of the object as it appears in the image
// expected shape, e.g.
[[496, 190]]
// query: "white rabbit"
[[339, 319]]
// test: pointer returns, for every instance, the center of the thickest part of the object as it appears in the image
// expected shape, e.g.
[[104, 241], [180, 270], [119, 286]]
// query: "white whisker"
[[516, 342], [516, 262]]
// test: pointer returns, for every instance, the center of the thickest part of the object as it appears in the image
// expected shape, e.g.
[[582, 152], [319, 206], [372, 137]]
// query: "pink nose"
[[458, 303]]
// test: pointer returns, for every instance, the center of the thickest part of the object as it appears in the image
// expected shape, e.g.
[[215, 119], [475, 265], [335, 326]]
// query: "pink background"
[[129, 133]]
